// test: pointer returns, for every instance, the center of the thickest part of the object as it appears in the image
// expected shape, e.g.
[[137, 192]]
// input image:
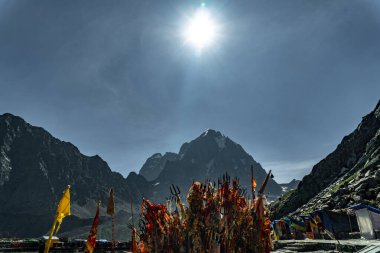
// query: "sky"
[[285, 79]]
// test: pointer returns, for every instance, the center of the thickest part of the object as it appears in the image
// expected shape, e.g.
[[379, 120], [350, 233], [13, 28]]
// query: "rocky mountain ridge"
[[35, 170], [155, 164], [349, 175], [207, 157]]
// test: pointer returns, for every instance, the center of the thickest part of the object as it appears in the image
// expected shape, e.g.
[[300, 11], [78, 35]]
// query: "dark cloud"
[[287, 79]]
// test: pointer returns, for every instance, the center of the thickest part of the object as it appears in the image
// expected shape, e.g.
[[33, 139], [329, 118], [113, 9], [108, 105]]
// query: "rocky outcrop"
[[359, 185], [348, 175]]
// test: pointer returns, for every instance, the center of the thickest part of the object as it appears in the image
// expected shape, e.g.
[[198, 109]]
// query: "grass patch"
[[344, 182]]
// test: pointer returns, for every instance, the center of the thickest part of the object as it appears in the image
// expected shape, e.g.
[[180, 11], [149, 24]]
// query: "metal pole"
[[47, 244], [113, 233]]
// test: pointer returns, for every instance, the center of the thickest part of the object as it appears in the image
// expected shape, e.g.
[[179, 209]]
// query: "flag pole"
[[47, 244], [111, 212], [262, 188], [113, 232], [133, 222], [133, 248]]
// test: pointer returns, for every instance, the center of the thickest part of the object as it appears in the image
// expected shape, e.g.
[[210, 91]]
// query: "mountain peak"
[[211, 132], [217, 136], [7, 114], [8, 117], [207, 157]]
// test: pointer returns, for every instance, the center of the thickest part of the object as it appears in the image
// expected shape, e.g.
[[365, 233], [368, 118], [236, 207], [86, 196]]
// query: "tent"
[[368, 219], [337, 223]]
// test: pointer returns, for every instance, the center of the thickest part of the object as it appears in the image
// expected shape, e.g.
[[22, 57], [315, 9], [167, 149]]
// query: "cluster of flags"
[[223, 214], [218, 218], [63, 210]]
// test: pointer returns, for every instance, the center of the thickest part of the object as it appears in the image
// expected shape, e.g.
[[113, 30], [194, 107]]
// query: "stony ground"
[[323, 245], [318, 251]]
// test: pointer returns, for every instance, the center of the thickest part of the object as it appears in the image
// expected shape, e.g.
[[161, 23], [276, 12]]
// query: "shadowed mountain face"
[[207, 157], [155, 164], [349, 175], [35, 170]]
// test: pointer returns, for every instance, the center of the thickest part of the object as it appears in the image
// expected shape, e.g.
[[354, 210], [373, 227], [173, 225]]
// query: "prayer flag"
[[91, 240], [63, 210], [111, 204]]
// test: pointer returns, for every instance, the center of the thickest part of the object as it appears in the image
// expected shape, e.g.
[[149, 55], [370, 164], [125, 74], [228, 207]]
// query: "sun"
[[201, 30]]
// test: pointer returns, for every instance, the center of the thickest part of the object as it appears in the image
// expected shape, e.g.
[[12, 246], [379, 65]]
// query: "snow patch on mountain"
[[43, 168], [210, 167], [220, 141], [5, 168]]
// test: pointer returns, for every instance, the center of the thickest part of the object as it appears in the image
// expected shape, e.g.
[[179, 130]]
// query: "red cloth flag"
[[111, 204], [91, 240]]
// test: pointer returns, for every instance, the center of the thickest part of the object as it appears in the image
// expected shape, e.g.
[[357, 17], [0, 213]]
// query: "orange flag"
[[111, 204], [253, 183], [91, 240]]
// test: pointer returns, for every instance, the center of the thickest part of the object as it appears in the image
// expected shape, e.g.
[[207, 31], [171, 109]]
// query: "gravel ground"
[[289, 251]]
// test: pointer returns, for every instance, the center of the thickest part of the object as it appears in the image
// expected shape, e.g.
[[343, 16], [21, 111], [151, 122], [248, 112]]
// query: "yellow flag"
[[111, 204], [63, 209]]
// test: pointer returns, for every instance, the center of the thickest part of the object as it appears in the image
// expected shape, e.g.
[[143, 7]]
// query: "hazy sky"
[[285, 79]]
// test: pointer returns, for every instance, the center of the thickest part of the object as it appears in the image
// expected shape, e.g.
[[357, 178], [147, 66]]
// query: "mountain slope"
[[35, 169], [155, 164], [208, 157], [348, 175]]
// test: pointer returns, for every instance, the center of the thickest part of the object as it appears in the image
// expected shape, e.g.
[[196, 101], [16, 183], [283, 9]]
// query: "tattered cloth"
[[217, 219]]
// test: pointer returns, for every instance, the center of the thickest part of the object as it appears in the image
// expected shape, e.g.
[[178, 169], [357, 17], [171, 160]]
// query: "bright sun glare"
[[201, 29]]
